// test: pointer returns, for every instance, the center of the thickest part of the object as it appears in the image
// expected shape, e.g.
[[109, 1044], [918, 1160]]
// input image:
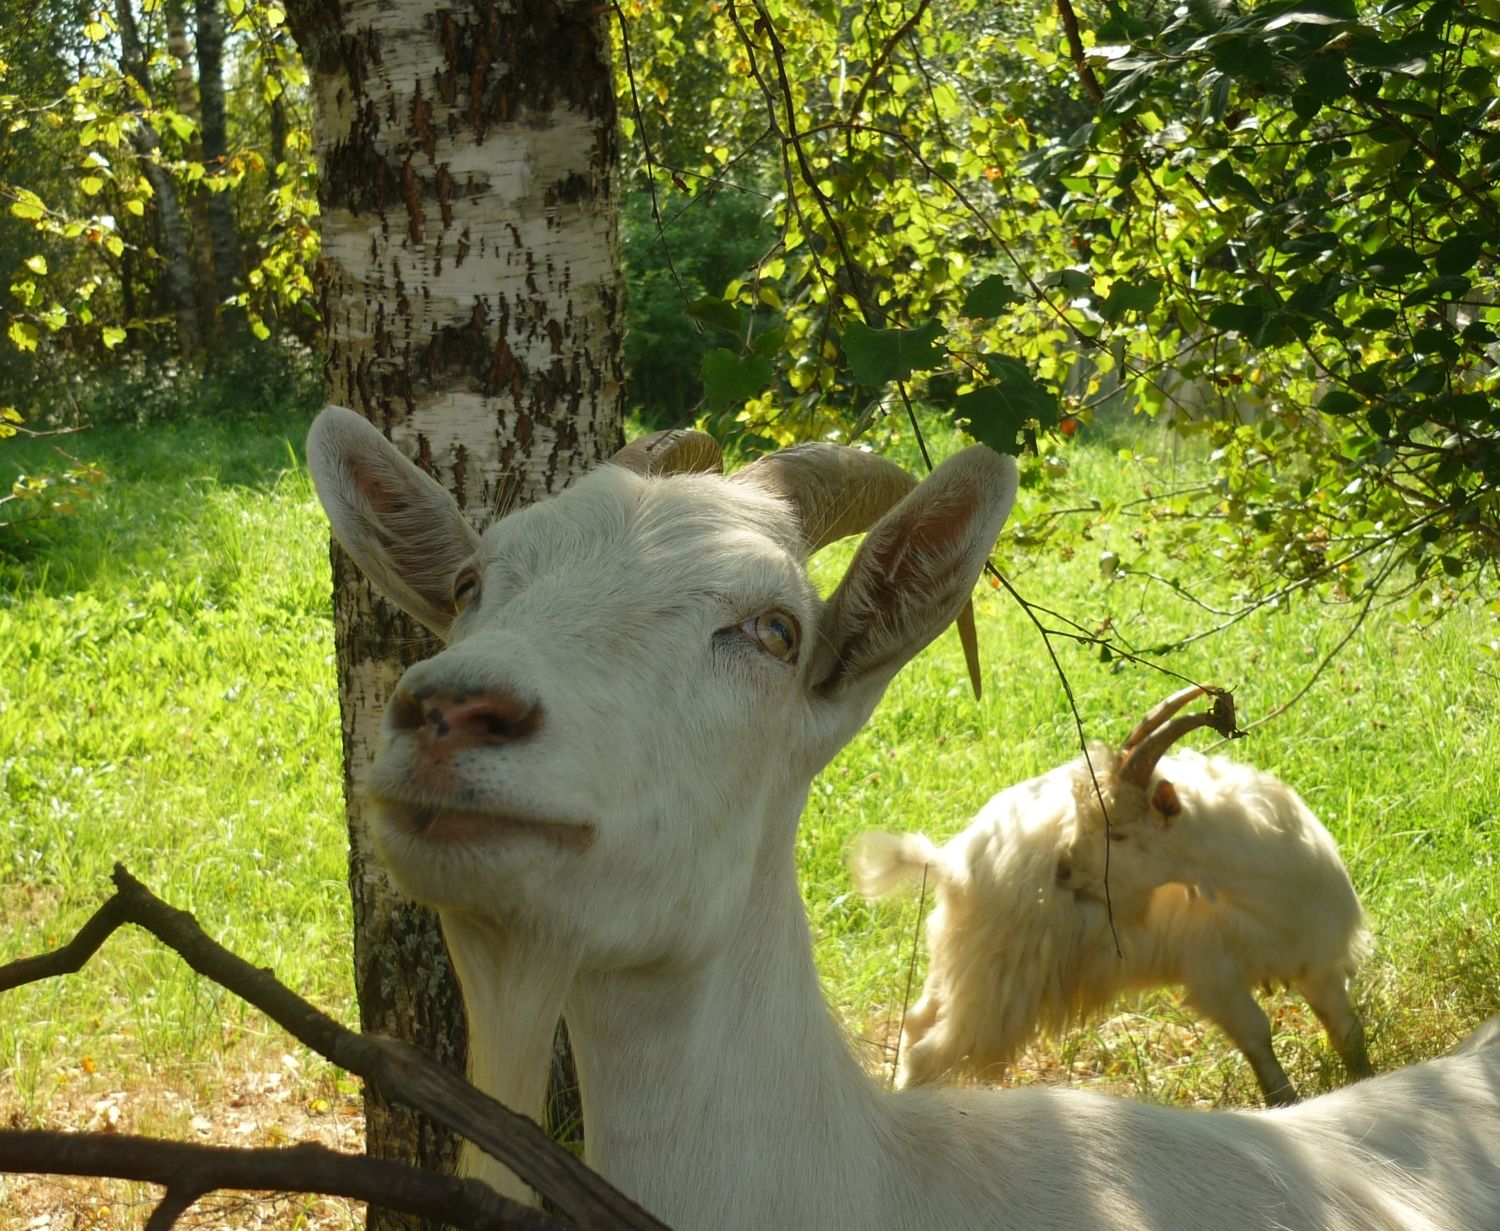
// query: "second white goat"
[[1220, 879]]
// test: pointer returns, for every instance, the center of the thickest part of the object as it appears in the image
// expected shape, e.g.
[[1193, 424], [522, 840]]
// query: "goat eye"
[[776, 632], [465, 587]]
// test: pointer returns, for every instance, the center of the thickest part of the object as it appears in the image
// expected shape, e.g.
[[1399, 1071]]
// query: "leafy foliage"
[[1273, 227], [73, 171]]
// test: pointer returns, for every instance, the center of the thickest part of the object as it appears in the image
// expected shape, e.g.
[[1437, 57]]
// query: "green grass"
[[167, 699]]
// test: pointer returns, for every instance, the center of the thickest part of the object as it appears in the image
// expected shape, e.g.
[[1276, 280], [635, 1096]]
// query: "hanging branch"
[[402, 1073], [1075, 46], [189, 1171], [640, 124]]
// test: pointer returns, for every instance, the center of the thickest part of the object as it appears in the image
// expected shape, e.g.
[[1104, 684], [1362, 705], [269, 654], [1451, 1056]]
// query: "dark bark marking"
[[460, 477], [447, 83], [424, 452], [411, 192], [445, 195], [421, 123], [463, 249]]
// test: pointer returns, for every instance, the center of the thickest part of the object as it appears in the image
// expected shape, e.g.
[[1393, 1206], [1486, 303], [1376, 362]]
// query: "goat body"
[[1239, 886], [598, 783]]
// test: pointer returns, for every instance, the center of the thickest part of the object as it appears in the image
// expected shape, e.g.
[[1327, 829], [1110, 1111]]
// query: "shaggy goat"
[[1220, 879], [598, 785]]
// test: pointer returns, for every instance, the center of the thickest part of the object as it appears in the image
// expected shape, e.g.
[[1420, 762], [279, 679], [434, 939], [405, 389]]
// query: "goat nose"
[[453, 720]]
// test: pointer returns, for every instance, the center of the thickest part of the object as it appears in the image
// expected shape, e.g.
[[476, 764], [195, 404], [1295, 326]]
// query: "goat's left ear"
[[912, 575], [1164, 800]]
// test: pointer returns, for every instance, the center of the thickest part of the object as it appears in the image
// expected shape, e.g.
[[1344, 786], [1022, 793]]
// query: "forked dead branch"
[[402, 1073]]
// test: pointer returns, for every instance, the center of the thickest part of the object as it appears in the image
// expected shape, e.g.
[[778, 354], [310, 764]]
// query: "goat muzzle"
[[445, 721]]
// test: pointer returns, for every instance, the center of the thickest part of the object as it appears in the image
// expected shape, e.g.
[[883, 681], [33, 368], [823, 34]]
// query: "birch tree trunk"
[[472, 306]]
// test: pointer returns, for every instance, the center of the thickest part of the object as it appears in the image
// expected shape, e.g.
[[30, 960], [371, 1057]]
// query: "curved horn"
[[1160, 714], [1140, 762], [679, 451], [838, 491]]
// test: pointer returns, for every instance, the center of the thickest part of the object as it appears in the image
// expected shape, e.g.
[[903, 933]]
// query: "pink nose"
[[447, 721]]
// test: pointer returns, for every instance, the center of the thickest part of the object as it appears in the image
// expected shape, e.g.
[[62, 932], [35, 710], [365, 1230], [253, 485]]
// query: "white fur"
[[718, 1090], [1243, 888]]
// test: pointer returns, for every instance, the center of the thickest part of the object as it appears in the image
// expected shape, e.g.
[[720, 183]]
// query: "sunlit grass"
[[167, 699]]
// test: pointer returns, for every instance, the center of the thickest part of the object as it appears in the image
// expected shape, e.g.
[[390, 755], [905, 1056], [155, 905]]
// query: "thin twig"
[[911, 969], [1083, 743], [400, 1072], [189, 1171], [1374, 593], [640, 123]]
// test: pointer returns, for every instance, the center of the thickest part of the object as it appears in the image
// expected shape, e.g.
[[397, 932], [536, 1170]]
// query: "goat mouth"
[[441, 823]]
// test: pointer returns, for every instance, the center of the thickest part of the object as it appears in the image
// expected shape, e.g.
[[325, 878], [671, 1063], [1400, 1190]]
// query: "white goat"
[[1220, 879], [598, 784]]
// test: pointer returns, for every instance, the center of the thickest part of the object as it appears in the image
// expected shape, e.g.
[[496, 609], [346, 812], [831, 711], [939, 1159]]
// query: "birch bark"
[[472, 306]]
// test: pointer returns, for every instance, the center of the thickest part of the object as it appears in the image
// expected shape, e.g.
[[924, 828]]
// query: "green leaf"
[[990, 298], [768, 343], [1124, 298], [1458, 255], [37, 264], [113, 336], [23, 335], [1393, 263], [730, 378], [1339, 402], [994, 417], [1326, 78], [995, 414], [880, 355], [1376, 318], [712, 310], [1074, 281], [1239, 317], [1469, 405]]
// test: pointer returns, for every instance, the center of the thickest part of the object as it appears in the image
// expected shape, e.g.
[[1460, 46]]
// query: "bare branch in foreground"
[[401, 1072], [190, 1171]]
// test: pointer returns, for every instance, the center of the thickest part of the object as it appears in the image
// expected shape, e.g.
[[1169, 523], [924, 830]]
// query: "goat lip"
[[440, 823]]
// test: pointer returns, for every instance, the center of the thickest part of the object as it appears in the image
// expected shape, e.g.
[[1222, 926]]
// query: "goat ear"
[[912, 574], [400, 527], [1164, 800]]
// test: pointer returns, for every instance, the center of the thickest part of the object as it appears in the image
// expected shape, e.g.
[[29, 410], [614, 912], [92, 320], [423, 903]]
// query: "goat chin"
[[657, 664]]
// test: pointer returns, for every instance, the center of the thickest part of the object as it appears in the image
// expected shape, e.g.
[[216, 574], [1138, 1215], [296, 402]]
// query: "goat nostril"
[[463, 719], [405, 712], [500, 718]]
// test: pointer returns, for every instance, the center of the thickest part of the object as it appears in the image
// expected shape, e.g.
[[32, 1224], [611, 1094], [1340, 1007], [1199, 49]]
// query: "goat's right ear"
[[912, 575], [400, 527]]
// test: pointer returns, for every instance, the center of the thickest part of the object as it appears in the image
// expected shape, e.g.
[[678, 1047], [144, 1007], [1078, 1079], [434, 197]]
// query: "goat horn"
[[1140, 762], [968, 637], [837, 490], [1161, 713], [679, 451]]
